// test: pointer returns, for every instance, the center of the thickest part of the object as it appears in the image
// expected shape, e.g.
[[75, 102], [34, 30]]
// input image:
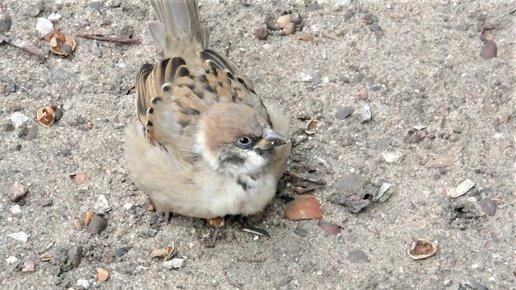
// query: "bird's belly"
[[228, 196]]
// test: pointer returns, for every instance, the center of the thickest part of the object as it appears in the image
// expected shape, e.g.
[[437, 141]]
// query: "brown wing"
[[172, 94]]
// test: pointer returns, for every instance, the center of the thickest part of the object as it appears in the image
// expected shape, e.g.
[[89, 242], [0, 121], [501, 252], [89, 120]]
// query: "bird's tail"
[[178, 29]]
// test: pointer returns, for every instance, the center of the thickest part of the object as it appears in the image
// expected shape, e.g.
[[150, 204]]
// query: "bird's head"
[[236, 139]]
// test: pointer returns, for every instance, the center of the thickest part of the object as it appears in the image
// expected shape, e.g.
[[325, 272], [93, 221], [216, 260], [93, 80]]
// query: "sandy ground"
[[431, 96]]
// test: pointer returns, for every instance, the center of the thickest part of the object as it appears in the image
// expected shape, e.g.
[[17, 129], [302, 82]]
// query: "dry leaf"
[[166, 253], [217, 222], [304, 207], [310, 127], [102, 275], [421, 249], [88, 217], [46, 116], [45, 257], [60, 43]]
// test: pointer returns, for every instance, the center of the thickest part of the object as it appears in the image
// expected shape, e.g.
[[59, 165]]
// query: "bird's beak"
[[270, 139]]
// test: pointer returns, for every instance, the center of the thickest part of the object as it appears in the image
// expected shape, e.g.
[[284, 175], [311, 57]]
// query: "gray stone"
[[365, 114], [357, 256], [344, 113], [35, 9], [75, 256], [5, 23], [488, 206]]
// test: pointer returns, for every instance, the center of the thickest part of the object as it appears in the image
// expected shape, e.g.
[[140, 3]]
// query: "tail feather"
[[179, 26]]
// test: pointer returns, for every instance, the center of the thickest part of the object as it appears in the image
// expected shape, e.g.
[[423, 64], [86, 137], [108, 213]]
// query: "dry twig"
[[30, 50], [120, 40]]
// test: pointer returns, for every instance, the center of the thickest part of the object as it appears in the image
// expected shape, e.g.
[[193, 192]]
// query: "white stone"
[[54, 17], [11, 260], [306, 77], [128, 206], [15, 209], [461, 189], [18, 119], [44, 26], [392, 157], [19, 236], [365, 114], [101, 206], [83, 283], [175, 263]]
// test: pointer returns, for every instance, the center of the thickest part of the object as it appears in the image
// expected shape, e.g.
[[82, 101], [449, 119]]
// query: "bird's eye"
[[244, 142]]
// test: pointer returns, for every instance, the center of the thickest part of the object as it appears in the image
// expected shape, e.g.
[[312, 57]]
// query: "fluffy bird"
[[205, 145]]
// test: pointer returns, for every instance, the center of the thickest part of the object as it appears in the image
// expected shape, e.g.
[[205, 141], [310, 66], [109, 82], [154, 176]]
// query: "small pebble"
[[5, 23], [127, 31], [83, 283], [98, 225], [344, 113], [488, 50], [381, 196], [300, 231], [305, 206], [488, 206], [392, 157], [28, 266], [15, 209], [19, 236], [101, 206], [120, 252], [44, 26], [362, 93], [329, 228], [35, 9], [175, 263], [261, 33], [11, 260], [54, 17], [18, 191], [365, 114], [461, 189], [18, 119], [128, 206], [75, 255], [306, 77]]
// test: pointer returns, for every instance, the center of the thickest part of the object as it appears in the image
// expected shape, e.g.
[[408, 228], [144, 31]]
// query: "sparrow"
[[205, 145]]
